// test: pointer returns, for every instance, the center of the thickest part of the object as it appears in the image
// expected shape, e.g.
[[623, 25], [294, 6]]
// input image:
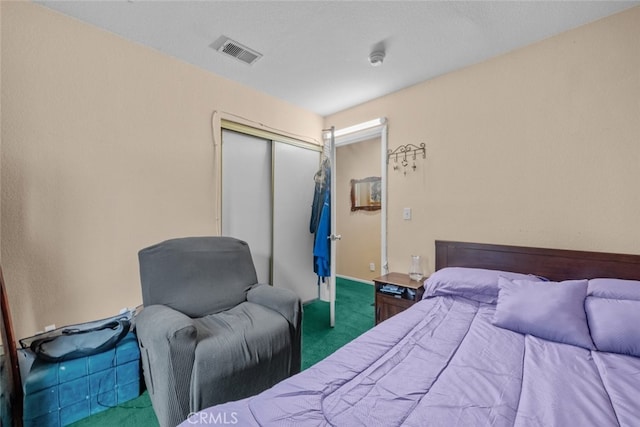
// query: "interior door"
[[334, 233], [356, 133], [327, 289]]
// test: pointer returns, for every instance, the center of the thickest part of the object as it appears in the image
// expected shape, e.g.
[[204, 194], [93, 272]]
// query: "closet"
[[267, 192]]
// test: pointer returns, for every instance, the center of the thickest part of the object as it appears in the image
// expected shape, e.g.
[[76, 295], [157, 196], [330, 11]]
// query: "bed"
[[506, 336]]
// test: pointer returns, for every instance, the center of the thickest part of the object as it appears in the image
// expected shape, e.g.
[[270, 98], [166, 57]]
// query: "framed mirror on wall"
[[366, 194]]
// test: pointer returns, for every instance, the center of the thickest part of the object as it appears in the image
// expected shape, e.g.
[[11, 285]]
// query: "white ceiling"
[[316, 52]]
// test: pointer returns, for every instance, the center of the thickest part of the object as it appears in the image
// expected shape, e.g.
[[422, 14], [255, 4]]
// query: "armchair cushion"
[[197, 275], [287, 303], [242, 351]]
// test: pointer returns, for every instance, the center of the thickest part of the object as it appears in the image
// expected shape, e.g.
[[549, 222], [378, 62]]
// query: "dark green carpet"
[[354, 315]]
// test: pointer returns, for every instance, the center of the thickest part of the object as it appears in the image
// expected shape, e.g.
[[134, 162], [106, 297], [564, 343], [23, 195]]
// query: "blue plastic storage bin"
[[58, 394]]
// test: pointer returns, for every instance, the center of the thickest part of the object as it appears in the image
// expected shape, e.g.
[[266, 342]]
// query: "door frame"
[[350, 135], [363, 132]]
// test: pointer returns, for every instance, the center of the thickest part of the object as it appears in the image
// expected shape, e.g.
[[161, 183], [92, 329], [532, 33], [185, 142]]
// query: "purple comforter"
[[442, 363]]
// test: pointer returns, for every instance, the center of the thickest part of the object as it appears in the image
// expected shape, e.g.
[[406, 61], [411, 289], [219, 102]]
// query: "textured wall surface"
[[106, 149], [539, 147]]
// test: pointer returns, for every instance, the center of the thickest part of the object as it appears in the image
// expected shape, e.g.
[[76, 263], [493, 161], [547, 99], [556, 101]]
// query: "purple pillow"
[[472, 283], [614, 325], [549, 310], [614, 288]]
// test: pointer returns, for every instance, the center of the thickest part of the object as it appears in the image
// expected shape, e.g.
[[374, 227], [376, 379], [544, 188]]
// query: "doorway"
[[366, 131], [359, 252], [361, 153]]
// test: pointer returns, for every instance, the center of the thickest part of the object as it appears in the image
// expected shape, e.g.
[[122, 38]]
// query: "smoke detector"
[[376, 58], [230, 47]]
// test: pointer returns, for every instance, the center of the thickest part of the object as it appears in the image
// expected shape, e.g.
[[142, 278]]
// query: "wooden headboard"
[[554, 264]]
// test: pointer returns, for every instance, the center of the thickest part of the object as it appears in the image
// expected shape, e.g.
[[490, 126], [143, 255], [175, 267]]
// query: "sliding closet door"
[[294, 168], [246, 196]]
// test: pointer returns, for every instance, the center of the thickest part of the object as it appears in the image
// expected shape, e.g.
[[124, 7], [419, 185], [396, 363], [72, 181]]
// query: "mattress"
[[443, 363]]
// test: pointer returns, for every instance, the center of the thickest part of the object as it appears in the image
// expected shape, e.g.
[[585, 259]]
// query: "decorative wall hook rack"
[[405, 153]]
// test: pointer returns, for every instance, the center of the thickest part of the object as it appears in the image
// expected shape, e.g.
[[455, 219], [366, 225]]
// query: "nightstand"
[[395, 292]]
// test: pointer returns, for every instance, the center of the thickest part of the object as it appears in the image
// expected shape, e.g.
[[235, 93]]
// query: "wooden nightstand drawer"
[[402, 294]]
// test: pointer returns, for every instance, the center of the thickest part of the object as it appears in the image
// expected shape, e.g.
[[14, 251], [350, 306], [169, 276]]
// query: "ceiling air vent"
[[232, 48]]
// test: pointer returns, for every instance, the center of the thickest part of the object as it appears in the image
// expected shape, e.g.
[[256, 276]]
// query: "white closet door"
[[246, 196], [294, 169]]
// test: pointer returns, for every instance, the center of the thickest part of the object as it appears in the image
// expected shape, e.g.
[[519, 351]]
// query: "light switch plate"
[[406, 214]]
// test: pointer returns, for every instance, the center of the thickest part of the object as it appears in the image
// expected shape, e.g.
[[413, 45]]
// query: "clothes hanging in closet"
[[320, 223]]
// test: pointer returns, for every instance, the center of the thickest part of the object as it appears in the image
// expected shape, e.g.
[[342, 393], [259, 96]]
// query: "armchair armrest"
[[167, 340], [288, 304], [283, 301]]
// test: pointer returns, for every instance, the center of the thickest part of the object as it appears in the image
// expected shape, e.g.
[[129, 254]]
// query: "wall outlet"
[[406, 214], [372, 266], [49, 328]]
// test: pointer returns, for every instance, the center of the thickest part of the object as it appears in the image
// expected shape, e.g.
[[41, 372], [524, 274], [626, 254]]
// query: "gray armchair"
[[208, 332]]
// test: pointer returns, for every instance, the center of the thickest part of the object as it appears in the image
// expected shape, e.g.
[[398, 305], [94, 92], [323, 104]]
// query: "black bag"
[[84, 339]]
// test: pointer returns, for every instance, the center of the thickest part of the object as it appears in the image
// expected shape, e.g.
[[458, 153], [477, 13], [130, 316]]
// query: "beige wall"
[[538, 147], [107, 148], [0, 125], [360, 230]]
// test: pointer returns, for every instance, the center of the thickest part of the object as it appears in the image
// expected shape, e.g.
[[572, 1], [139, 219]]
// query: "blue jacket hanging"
[[320, 223], [322, 244]]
